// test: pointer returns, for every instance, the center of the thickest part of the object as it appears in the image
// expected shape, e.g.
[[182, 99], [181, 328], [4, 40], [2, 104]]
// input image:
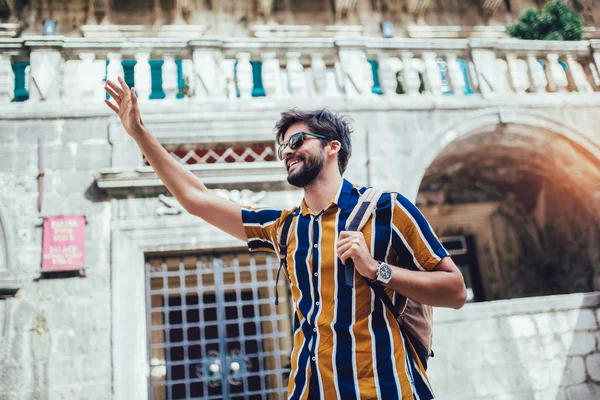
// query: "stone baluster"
[[210, 79], [596, 64], [578, 75], [90, 75], [46, 75], [455, 75], [537, 75], [169, 77], [358, 72], [7, 79], [245, 81], [114, 68], [271, 74], [295, 74], [558, 76], [143, 75], [433, 78], [319, 73], [410, 75], [518, 78], [388, 79]]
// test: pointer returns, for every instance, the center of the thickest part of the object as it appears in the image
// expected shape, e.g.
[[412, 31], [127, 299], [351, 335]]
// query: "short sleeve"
[[261, 226], [412, 237]]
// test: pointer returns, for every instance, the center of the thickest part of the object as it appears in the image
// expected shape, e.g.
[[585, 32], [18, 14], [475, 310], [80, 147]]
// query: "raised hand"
[[126, 106]]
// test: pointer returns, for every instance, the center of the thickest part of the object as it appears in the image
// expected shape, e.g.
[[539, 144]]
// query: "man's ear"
[[334, 147]]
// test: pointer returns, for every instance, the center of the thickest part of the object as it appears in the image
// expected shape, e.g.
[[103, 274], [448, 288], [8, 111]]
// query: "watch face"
[[385, 272]]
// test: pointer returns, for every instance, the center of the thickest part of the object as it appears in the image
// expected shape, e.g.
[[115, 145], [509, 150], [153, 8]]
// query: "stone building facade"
[[497, 140]]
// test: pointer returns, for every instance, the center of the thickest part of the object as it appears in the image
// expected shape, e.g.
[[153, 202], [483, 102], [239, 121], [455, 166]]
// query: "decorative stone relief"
[[7, 79], [417, 9], [490, 7], [343, 8], [243, 197], [170, 206], [264, 9]]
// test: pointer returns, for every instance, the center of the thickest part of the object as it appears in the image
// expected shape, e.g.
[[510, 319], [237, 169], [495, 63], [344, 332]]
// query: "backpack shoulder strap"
[[357, 219], [283, 239]]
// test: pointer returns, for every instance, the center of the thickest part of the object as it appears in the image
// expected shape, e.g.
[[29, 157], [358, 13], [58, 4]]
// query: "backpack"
[[415, 319]]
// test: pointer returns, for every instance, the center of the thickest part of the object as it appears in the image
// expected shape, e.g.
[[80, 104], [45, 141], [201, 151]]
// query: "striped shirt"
[[343, 334]]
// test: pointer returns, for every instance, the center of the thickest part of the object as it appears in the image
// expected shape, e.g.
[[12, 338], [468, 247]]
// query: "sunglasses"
[[295, 142]]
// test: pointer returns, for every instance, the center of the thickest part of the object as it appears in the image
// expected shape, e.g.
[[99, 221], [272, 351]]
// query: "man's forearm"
[[439, 288], [178, 179]]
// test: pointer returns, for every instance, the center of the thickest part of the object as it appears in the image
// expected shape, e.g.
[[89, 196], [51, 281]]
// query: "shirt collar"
[[341, 198]]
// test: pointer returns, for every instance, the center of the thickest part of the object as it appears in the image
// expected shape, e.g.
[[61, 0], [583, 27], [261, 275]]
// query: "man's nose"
[[286, 152]]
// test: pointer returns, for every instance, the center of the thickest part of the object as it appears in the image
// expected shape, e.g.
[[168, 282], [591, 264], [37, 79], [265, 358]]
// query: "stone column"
[[433, 77], [295, 74], [319, 73], [410, 75], [558, 76], [143, 75], [357, 71], [455, 75], [182, 11], [169, 77], [271, 74], [536, 74], [7, 79], [245, 81]]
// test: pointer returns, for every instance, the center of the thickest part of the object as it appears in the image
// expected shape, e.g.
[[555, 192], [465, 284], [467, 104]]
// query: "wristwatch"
[[384, 273]]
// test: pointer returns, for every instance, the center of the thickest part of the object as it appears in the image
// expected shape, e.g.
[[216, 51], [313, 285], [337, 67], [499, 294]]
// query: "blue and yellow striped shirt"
[[341, 333]]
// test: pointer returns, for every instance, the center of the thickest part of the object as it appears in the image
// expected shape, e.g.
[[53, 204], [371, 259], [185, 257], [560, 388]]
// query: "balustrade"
[[75, 70]]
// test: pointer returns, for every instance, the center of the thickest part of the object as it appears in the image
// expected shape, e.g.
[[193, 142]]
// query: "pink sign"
[[63, 243]]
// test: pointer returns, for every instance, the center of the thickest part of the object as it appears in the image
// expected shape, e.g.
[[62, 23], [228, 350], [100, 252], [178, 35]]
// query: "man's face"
[[306, 162]]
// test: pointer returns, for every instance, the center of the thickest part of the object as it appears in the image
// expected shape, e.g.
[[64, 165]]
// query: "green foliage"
[[556, 22]]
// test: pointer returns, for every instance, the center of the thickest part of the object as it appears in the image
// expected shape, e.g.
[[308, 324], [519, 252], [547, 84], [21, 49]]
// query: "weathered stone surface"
[[583, 343], [586, 321], [592, 365], [574, 372], [583, 392]]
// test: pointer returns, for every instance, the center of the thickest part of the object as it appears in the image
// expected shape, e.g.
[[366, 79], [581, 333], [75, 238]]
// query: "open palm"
[[126, 105]]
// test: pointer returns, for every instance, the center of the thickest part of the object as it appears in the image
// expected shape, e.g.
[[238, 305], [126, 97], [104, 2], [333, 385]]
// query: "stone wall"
[[55, 335], [544, 348]]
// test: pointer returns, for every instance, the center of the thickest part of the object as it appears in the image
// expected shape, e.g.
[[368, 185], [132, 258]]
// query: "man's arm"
[[443, 286], [185, 186]]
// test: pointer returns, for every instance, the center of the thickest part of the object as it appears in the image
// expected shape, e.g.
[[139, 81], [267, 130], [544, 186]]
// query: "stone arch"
[[8, 281], [489, 118], [532, 186]]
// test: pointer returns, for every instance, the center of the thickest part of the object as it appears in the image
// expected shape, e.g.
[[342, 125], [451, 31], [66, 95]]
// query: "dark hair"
[[322, 122]]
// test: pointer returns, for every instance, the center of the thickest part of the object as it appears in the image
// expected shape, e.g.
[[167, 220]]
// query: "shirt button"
[[315, 245], [317, 303], [314, 358], [315, 329], [316, 274]]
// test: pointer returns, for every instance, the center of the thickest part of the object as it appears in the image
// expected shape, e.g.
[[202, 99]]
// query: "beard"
[[310, 169]]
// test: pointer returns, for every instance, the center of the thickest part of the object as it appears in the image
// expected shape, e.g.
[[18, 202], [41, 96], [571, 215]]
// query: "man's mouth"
[[292, 163]]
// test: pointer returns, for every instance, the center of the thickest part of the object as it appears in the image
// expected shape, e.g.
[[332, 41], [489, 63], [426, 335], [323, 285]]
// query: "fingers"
[[116, 88], [134, 100], [112, 106], [113, 94], [123, 84]]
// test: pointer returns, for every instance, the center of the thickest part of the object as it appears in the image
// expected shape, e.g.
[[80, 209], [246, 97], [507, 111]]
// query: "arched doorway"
[[526, 203]]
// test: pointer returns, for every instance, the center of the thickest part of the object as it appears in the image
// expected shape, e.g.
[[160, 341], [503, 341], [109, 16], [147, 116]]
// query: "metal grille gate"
[[214, 331]]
